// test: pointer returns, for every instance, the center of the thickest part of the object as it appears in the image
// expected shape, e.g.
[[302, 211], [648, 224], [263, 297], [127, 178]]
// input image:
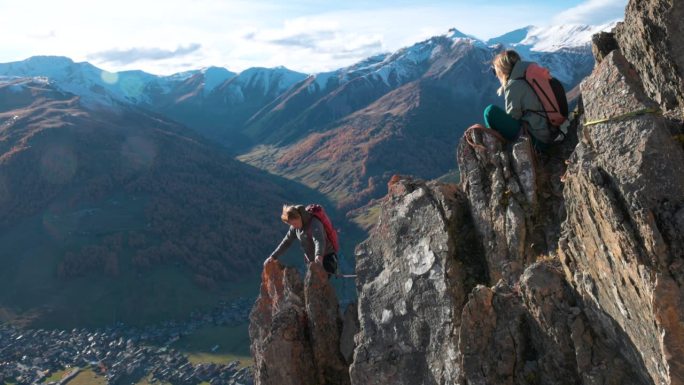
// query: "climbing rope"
[[624, 116], [345, 275], [347, 293]]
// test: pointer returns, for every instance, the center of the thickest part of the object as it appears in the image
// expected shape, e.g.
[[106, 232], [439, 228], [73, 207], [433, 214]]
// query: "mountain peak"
[[512, 37], [550, 38], [277, 78], [215, 70], [455, 33]]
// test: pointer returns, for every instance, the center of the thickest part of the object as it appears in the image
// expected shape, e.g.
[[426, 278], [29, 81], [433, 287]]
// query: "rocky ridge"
[[514, 278], [295, 329]]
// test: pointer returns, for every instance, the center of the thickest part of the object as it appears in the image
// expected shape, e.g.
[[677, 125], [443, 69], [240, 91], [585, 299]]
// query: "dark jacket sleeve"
[[319, 237], [285, 243]]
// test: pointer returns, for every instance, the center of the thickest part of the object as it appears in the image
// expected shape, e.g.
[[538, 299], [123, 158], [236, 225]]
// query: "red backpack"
[[550, 93], [318, 212]]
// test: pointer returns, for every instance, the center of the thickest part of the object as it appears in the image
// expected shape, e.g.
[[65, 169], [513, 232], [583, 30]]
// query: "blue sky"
[[164, 37]]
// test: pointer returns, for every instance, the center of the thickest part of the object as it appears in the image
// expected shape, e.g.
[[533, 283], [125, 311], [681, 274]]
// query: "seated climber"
[[541, 116], [316, 235]]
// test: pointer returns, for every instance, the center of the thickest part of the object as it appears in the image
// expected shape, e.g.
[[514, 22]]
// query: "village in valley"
[[121, 354]]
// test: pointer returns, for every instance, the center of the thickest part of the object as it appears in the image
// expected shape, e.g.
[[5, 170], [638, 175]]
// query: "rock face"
[[325, 327], [295, 329], [623, 248], [513, 201], [280, 346], [602, 44], [419, 325], [412, 276], [349, 329], [537, 334], [652, 39]]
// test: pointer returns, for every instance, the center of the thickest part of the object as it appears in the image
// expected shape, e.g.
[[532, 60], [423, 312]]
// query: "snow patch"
[[555, 38]]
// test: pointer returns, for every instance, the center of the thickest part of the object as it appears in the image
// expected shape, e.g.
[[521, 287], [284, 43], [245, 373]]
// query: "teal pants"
[[497, 119]]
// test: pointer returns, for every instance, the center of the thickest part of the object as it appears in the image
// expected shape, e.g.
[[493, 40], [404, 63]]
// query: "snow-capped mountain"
[[95, 85], [550, 39], [510, 38], [393, 69], [325, 97], [276, 104], [211, 100], [82, 79], [564, 49], [266, 81]]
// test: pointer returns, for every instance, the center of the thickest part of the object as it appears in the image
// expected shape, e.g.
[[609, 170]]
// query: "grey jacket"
[[521, 101], [312, 238]]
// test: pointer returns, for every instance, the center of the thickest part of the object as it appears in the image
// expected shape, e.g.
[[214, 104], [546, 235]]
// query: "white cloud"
[[303, 35], [43, 35], [136, 54], [593, 12], [314, 43]]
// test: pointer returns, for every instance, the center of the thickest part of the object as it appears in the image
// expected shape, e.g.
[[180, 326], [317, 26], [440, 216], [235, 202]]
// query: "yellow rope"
[[625, 115]]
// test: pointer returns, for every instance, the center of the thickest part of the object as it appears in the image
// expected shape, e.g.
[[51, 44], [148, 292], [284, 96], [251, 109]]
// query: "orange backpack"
[[550, 93]]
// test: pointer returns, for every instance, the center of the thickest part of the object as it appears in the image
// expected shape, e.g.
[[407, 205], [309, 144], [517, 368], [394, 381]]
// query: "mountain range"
[[112, 174], [345, 133]]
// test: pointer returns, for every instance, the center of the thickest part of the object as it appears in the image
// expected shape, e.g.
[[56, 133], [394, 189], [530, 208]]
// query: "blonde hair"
[[503, 66], [289, 212]]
